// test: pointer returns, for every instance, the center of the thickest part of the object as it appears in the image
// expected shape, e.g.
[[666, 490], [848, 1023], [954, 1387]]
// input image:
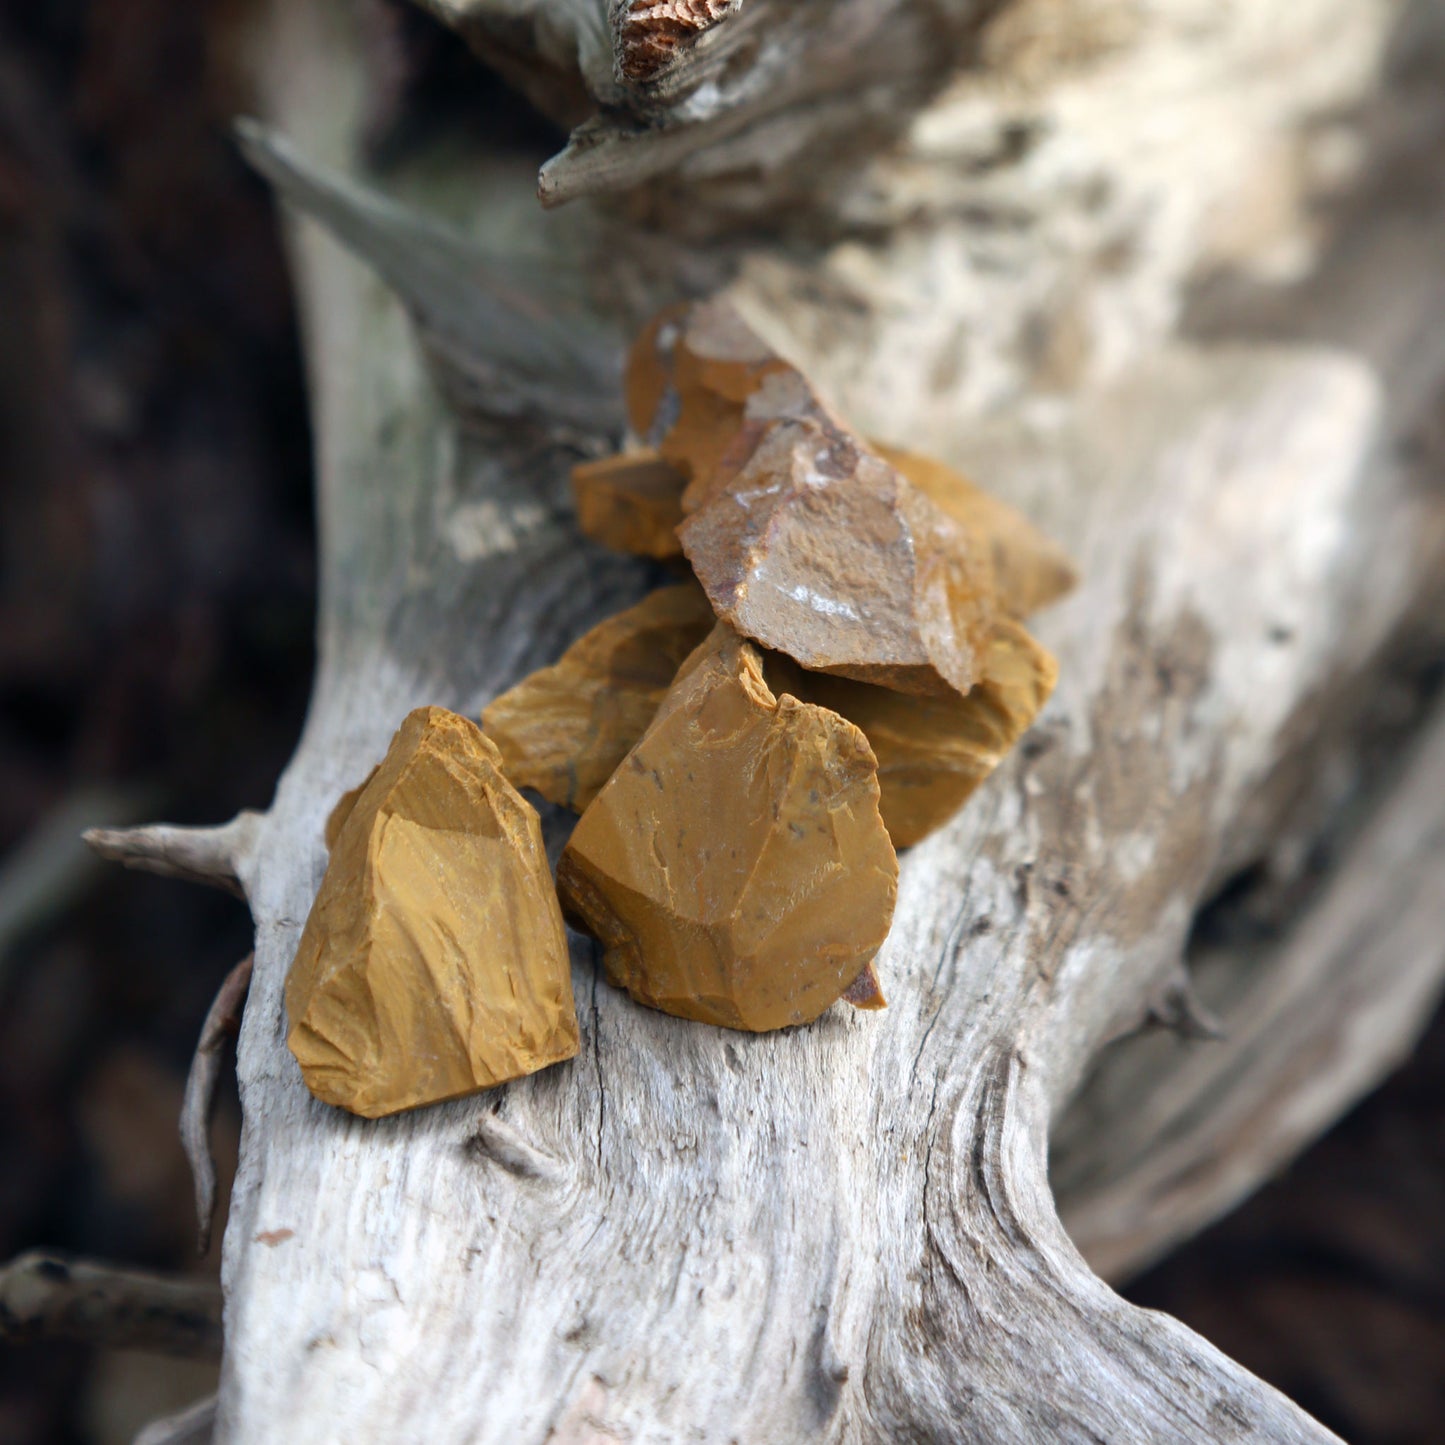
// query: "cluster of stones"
[[842, 666]]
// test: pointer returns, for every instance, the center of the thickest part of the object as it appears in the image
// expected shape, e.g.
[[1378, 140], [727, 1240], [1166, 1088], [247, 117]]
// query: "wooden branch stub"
[[213, 856], [505, 341], [192, 1426], [45, 1296]]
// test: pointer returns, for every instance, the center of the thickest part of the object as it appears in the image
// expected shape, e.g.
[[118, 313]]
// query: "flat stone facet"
[[565, 729], [434, 961], [735, 868]]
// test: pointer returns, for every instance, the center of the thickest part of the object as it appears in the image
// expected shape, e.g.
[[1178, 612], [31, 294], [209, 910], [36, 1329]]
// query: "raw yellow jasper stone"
[[735, 868], [934, 751], [434, 961], [1030, 571], [564, 729], [631, 502]]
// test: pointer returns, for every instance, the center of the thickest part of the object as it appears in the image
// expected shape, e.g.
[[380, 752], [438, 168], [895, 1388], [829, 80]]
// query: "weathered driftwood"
[[46, 1296], [223, 1023], [847, 1232]]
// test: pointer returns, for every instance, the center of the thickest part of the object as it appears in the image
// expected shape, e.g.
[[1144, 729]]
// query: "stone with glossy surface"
[[934, 752], [735, 868], [631, 502], [434, 962], [564, 729], [817, 548]]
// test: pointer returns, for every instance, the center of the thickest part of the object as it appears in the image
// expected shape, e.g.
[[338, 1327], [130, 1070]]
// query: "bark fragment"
[[434, 962], [736, 868]]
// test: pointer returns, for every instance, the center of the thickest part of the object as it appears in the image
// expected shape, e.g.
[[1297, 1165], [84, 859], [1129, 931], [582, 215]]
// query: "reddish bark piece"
[[564, 729], [434, 962], [651, 33], [735, 867]]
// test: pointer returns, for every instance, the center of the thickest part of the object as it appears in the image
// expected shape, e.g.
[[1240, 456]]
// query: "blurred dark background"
[[156, 600]]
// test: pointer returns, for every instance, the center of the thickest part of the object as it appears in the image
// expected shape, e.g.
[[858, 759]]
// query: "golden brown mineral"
[[803, 537], [933, 752], [865, 992], [564, 729], [817, 548], [689, 376], [631, 502], [735, 868], [1030, 570], [434, 961]]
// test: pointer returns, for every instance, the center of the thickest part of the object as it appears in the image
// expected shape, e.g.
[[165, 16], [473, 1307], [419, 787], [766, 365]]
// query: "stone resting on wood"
[[984, 229]]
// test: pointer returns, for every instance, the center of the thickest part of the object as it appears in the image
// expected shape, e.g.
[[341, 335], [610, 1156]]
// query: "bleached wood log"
[[847, 1232]]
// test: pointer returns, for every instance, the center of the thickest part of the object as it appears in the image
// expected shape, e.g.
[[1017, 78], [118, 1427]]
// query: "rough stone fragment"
[[649, 375], [1030, 571], [631, 502], [868, 562], [689, 376], [564, 729], [434, 961], [933, 752], [735, 867], [865, 992], [817, 548]]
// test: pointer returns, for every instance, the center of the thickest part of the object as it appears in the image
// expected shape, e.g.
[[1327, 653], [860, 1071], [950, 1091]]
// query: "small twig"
[[1178, 1007], [222, 1023], [191, 1426], [46, 1296], [198, 855]]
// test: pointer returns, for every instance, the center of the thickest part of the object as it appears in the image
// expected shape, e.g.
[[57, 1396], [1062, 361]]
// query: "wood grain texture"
[[844, 1232]]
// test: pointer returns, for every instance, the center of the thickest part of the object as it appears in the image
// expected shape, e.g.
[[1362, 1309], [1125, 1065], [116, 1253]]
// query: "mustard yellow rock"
[[631, 502], [434, 961], [933, 752], [689, 374], [1030, 570], [735, 868], [564, 729], [804, 539]]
